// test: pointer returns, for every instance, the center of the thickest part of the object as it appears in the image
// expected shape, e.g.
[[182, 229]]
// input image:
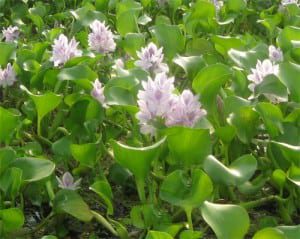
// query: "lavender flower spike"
[[63, 50], [288, 2], [98, 92], [262, 70], [7, 76], [11, 33], [151, 59], [154, 101], [275, 54], [186, 110], [101, 39], [67, 182]]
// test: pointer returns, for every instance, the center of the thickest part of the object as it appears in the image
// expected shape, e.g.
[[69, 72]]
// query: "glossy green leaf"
[[290, 152], [269, 233], [11, 219], [44, 104], [68, 201], [7, 156], [191, 64], [78, 73], [208, 82], [170, 38], [294, 175], [287, 73], [223, 218], [34, 169], [103, 189], [10, 182], [290, 232], [184, 144], [9, 121], [133, 42], [7, 50], [240, 171], [86, 16], [186, 191], [85, 154], [287, 36]]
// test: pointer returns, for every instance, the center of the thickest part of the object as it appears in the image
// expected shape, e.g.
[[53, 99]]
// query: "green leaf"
[[290, 232], [272, 117], [294, 175], [208, 82], [189, 234], [7, 50], [137, 160], [11, 219], [184, 144], [191, 64], [127, 22], [10, 182], [68, 201], [78, 73], [103, 189], [44, 104], [86, 16], [223, 220], [185, 191], [245, 121], [287, 73], [290, 152], [34, 169], [158, 235], [287, 36], [86, 154], [9, 121], [240, 171], [170, 38], [269, 233], [133, 42], [7, 155], [248, 59], [236, 6], [224, 43]]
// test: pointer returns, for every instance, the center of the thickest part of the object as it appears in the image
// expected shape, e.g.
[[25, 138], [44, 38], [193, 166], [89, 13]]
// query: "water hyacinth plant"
[[149, 119]]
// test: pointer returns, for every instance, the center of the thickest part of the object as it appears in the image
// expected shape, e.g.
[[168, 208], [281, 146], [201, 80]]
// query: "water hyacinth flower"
[[186, 110], [67, 182], [218, 4], [7, 76], [288, 2], [63, 50], [151, 59], [275, 54], [11, 33], [98, 92], [101, 39], [154, 101], [262, 70]]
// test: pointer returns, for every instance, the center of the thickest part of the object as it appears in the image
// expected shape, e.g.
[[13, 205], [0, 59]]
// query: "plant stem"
[[188, 212], [261, 201], [140, 184], [50, 190], [104, 222]]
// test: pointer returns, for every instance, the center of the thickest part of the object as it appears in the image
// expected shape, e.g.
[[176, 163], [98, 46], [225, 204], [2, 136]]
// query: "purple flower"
[[154, 101], [63, 50], [67, 182], [98, 92], [275, 54], [101, 39], [11, 33], [7, 76], [186, 110], [288, 2], [262, 70], [151, 59]]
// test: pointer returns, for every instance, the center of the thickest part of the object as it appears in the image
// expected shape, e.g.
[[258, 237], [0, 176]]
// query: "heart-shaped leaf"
[[223, 220], [240, 171], [68, 201]]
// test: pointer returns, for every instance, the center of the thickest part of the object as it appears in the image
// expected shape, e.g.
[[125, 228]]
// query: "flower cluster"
[[101, 39], [63, 50], [288, 2], [151, 59], [11, 33], [158, 102], [67, 182], [98, 92], [275, 54], [7, 76], [263, 69]]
